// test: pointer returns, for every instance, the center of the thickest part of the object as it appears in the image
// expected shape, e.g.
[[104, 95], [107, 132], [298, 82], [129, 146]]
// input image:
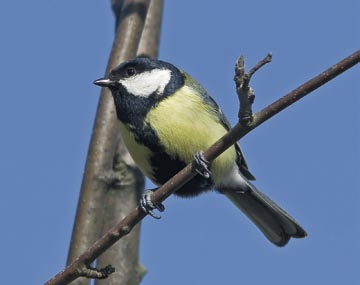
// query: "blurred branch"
[[127, 182], [124, 227], [150, 37], [103, 146]]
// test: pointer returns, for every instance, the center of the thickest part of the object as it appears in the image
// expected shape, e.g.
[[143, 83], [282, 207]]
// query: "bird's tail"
[[277, 225]]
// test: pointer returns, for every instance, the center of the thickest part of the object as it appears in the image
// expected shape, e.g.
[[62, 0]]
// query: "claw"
[[202, 165], [148, 206]]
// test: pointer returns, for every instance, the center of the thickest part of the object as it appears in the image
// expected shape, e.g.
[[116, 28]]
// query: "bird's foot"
[[148, 206], [202, 165]]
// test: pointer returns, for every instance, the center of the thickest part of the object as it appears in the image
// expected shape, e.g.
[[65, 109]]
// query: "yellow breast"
[[185, 125]]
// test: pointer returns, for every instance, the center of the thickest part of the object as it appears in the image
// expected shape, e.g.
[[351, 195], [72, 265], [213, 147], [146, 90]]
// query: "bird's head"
[[143, 77]]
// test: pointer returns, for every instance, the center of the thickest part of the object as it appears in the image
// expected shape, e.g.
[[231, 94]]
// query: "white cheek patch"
[[148, 82]]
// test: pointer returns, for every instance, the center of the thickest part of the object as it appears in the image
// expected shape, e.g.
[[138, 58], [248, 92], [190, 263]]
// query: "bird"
[[166, 119]]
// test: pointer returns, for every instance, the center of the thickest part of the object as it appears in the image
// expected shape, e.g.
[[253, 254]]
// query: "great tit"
[[165, 118]]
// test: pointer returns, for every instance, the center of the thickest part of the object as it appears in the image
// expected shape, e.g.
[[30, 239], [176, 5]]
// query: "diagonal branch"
[[175, 183], [240, 131]]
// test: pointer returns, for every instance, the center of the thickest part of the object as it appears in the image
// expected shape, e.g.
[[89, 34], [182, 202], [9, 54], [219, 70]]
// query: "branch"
[[103, 144], [150, 37], [175, 183], [126, 182]]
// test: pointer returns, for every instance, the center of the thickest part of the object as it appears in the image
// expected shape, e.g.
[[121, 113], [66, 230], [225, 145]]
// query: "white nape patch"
[[146, 83], [234, 179]]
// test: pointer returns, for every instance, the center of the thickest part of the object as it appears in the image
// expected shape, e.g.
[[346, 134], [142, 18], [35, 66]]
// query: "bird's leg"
[[148, 206], [201, 165]]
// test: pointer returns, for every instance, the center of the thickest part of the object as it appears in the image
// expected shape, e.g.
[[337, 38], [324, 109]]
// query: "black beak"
[[104, 82]]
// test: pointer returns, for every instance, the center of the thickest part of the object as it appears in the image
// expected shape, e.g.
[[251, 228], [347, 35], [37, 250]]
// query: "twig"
[[136, 215], [245, 93], [260, 64]]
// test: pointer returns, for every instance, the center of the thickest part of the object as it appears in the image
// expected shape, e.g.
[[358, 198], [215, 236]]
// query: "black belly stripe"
[[166, 167]]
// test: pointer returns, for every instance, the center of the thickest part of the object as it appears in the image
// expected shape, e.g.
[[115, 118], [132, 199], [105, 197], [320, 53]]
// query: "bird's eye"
[[130, 71]]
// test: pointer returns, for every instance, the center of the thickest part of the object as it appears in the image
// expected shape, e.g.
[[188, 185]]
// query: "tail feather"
[[277, 225]]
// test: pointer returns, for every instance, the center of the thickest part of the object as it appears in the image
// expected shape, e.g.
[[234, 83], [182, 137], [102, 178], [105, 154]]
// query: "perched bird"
[[166, 119]]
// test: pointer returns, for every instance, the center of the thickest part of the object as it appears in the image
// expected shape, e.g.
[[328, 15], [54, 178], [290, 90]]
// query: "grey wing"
[[241, 162]]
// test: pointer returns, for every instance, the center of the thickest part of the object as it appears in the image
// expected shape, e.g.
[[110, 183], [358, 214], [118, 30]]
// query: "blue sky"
[[306, 158]]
